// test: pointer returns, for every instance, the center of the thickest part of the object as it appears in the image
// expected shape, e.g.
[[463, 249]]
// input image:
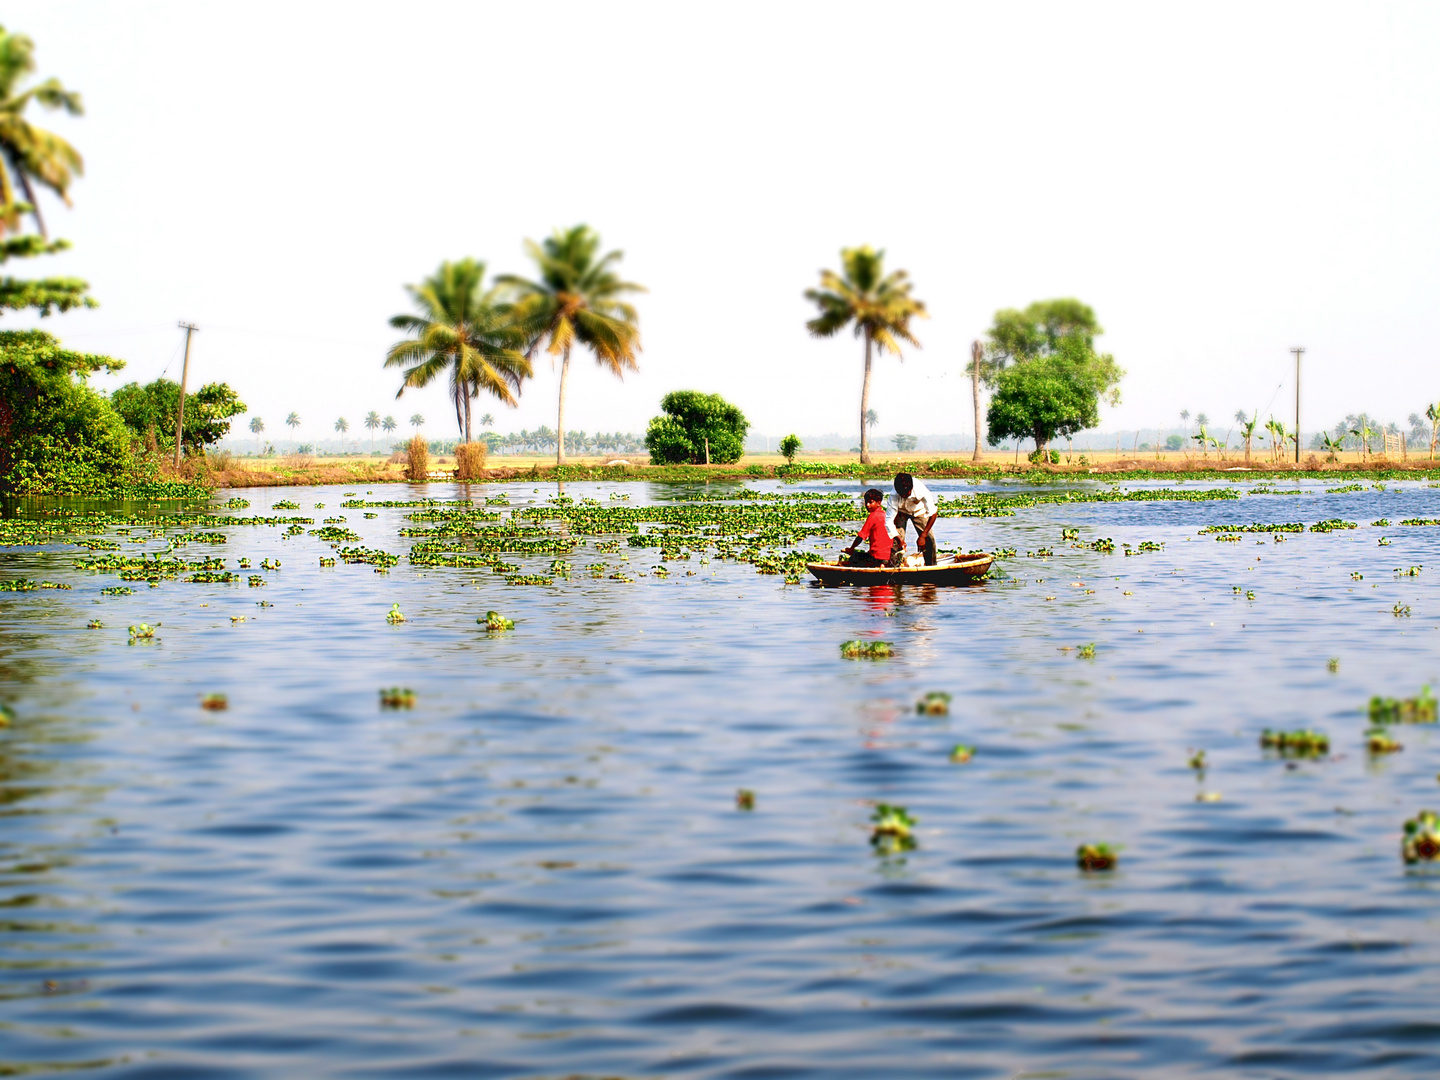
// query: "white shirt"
[[919, 506]]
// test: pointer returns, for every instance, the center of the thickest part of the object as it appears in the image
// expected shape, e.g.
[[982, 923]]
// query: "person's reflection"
[[880, 597]]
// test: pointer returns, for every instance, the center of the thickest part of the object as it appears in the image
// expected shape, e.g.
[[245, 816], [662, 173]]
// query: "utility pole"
[[189, 328], [1298, 351]]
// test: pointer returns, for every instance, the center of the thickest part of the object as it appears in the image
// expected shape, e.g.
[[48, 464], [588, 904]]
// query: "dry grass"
[[418, 467], [470, 461]]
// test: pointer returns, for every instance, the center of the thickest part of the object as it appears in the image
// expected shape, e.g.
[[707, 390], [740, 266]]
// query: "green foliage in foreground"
[[691, 418]]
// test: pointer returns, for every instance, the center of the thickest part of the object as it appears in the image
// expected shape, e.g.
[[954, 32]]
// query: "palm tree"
[[463, 329], [576, 300], [417, 422], [372, 421], [1247, 429], [487, 420], [388, 424], [1432, 413], [1202, 420], [293, 422], [257, 426], [342, 426], [31, 155], [880, 306]]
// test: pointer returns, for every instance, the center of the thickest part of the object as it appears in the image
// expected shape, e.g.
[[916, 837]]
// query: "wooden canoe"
[[962, 570]]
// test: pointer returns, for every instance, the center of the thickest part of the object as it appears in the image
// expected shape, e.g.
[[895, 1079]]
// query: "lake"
[[539, 870]]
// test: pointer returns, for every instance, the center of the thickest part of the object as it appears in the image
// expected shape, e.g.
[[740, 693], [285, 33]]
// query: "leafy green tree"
[[31, 155], [57, 435], [149, 412], [465, 330], [905, 442], [575, 300], [693, 421], [1054, 393], [879, 305], [789, 447]]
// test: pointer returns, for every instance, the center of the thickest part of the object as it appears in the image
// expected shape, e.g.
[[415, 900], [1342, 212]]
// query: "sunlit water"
[[540, 870]]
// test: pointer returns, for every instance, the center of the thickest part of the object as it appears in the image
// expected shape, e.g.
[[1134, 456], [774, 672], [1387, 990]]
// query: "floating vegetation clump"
[[935, 703], [1378, 741], [335, 534], [94, 624], [529, 579], [1102, 544], [215, 702], [236, 504], [1421, 709], [1331, 525], [212, 577], [1069, 534], [1228, 538], [1301, 743], [326, 561], [1256, 527], [1384, 541], [1400, 610], [1333, 664], [1197, 761], [561, 568], [1096, 857], [1344, 489], [745, 799], [1421, 521], [26, 585], [397, 698], [143, 632], [1355, 575], [961, 754], [1421, 839], [372, 556], [866, 650], [1086, 652], [1380, 523], [1144, 547], [1413, 571], [255, 581], [285, 504], [394, 616], [118, 590], [493, 620], [892, 828]]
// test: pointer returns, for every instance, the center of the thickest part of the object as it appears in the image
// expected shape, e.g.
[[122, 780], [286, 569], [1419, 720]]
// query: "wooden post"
[[189, 328], [1298, 350], [707, 449]]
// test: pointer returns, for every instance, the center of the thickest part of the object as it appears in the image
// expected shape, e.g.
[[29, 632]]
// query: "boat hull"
[[964, 571]]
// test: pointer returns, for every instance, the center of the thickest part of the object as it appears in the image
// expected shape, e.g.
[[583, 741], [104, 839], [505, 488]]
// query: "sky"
[[1219, 181]]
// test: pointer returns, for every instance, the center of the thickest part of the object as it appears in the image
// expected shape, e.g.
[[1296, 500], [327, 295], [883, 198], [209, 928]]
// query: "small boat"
[[961, 570]]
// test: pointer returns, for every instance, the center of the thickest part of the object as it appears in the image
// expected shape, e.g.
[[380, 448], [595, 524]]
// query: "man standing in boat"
[[913, 503]]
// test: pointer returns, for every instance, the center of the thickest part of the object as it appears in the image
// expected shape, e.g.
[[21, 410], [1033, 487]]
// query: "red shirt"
[[876, 532]]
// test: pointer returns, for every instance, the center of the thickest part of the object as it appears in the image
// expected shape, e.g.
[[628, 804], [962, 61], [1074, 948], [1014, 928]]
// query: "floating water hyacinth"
[[1197, 761], [234, 619], [1249, 594], [745, 799], [244, 564], [1413, 571], [1096, 857], [285, 504], [1086, 652], [326, 562], [892, 828], [1400, 610], [7, 716], [393, 615], [1304, 742], [1421, 709], [861, 650], [1333, 664], [1104, 544], [935, 703], [493, 620], [397, 698], [270, 564], [215, 702], [1378, 741], [94, 624], [142, 632], [1384, 541], [1355, 575], [961, 754], [255, 581], [1421, 839], [1069, 534]]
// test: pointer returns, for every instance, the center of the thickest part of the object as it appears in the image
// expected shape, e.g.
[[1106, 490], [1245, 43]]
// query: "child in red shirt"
[[876, 531]]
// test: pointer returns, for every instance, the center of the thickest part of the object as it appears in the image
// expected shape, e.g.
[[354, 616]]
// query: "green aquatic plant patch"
[[1300, 743], [1421, 709], [1420, 838]]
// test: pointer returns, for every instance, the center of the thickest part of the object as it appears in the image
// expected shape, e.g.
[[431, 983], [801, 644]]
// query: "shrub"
[[691, 421], [470, 460], [789, 447], [1052, 456], [419, 459]]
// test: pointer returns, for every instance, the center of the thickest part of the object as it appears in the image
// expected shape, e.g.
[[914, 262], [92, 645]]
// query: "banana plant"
[[1365, 433], [1204, 440], [1432, 412], [1332, 446], [1247, 429]]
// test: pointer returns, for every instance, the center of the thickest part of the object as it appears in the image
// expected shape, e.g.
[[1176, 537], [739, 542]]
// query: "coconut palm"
[[293, 423], [464, 329], [576, 301], [342, 426], [372, 421], [417, 422], [487, 420], [879, 305], [257, 426], [31, 155], [388, 425]]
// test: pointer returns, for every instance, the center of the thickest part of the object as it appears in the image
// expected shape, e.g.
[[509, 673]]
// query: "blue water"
[[540, 870]]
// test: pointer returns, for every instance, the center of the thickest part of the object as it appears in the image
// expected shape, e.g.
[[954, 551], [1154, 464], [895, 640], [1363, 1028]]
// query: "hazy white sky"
[[1219, 181]]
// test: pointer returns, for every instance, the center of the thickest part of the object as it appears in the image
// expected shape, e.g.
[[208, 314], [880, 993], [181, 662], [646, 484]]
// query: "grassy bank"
[[295, 471]]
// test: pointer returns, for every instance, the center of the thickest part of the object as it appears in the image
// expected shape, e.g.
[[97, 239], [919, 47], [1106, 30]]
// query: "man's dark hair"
[[904, 483], [874, 495]]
